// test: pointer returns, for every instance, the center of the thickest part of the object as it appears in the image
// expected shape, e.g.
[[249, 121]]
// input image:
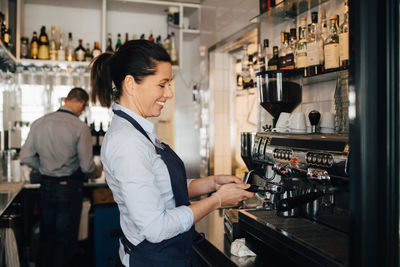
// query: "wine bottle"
[[88, 54], [70, 50], [61, 48], [34, 46], [80, 51], [52, 44], [96, 50], [119, 43], [109, 43], [273, 63], [43, 44]]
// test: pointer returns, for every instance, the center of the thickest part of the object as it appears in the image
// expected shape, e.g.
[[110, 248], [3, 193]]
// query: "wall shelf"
[[286, 10]]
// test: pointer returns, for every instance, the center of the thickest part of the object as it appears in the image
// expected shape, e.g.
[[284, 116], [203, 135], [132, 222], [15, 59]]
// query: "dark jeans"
[[61, 206]]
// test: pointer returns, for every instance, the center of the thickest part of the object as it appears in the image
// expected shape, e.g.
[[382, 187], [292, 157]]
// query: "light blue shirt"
[[140, 183]]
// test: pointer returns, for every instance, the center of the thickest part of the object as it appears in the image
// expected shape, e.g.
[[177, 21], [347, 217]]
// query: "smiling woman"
[[147, 178]]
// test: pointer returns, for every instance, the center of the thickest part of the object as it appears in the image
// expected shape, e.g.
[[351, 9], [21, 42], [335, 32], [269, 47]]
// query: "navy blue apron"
[[176, 251]]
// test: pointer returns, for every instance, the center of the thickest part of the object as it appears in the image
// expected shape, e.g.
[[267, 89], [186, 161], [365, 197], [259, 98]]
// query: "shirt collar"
[[147, 125], [64, 108]]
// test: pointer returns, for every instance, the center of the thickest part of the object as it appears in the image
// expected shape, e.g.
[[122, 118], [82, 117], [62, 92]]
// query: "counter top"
[[213, 227], [98, 182], [8, 192]]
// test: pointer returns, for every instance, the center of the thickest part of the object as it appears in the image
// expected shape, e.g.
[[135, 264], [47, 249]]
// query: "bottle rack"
[[189, 22], [286, 10]]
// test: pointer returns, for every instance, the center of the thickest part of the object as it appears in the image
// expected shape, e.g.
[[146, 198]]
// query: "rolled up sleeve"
[[133, 165]]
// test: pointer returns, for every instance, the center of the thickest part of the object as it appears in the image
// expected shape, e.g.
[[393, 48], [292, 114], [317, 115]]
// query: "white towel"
[[239, 248]]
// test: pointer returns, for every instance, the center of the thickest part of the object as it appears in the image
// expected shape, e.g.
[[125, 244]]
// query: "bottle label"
[[331, 56], [344, 46], [80, 55], [43, 52], [273, 67], [313, 54], [61, 55], [101, 137], [301, 59], [95, 53], [6, 38], [34, 51], [53, 54]]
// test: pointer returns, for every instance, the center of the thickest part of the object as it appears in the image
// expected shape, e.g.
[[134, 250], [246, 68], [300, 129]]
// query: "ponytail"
[[136, 57], [101, 80]]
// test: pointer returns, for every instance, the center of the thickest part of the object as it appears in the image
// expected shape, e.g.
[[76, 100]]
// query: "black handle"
[[292, 202], [314, 117], [255, 188]]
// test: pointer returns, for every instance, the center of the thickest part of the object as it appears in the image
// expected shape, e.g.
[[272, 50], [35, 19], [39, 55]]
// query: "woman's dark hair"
[[137, 58]]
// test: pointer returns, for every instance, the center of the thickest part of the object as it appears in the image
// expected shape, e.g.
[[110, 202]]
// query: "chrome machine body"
[[302, 180]]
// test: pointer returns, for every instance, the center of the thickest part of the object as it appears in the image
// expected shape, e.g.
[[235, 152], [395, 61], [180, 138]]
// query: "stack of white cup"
[[291, 123], [327, 123]]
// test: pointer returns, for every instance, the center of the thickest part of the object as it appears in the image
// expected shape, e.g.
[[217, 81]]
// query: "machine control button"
[[314, 158], [330, 160], [325, 159], [319, 159]]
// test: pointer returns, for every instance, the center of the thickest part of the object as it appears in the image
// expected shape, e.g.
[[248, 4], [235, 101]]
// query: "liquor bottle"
[[70, 49], [43, 44], [142, 36], [126, 37], [61, 48], [34, 46], [239, 78], [109, 43], [134, 36], [24, 47], [324, 26], [273, 63], [88, 54], [287, 61], [260, 59], [331, 47], [282, 48], [158, 40], [314, 48], [267, 52], [119, 43], [344, 39], [52, 44], [2, 25], [7, 38], [301, 48], [173, 54], [96, 50], [246, 75], [80, 52], [151, 38]]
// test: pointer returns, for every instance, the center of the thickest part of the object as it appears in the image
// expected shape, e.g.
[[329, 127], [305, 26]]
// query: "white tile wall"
[[220, 20]]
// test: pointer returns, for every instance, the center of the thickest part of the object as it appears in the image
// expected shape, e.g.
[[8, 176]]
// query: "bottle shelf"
[[59, 63], [287, 9], [327, 76], [324, 77]]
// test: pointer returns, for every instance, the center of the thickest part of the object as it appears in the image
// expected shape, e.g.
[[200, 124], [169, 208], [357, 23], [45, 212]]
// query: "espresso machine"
[[302, 183]]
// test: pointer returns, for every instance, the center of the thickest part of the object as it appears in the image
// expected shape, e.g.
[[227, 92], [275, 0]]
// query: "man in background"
[[59, 146]]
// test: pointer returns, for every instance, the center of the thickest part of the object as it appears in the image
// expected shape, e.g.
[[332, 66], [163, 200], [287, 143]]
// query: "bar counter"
[[215, 249], [8, 191]]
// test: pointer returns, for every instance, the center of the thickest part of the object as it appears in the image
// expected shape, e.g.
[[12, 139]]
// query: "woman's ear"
[[129, 84]]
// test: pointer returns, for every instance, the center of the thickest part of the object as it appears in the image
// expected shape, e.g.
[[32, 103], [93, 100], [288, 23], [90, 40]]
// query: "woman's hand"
[[232, 193], [220, 180]]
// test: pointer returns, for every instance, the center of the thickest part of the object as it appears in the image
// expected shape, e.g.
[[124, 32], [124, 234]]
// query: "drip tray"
[[307, 242]]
